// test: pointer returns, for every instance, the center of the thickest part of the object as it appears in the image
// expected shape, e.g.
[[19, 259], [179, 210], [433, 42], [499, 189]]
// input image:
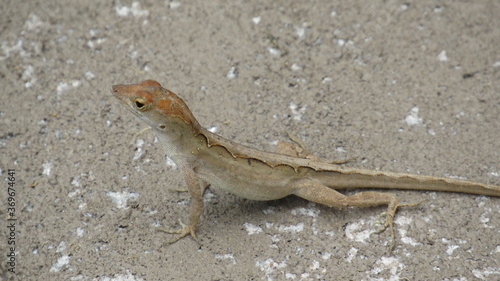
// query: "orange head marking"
[[170, 104], [150, 95], [150, 83]]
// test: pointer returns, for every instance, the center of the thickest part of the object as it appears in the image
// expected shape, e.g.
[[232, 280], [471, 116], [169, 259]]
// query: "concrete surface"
[[402, 86]]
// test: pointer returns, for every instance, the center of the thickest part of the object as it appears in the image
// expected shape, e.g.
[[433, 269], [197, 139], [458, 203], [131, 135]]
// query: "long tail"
[[354, 178]]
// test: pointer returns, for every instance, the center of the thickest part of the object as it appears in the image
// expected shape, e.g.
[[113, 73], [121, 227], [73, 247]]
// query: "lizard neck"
[[180, 139]]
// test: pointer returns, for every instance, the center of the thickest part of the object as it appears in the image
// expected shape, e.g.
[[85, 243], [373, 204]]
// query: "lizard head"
[[153, 104]]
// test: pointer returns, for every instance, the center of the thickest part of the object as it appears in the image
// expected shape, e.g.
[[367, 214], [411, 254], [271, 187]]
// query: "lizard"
[[205, 158]]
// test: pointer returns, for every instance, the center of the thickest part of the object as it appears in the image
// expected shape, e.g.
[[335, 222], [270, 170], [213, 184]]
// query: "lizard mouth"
[[115, 90]]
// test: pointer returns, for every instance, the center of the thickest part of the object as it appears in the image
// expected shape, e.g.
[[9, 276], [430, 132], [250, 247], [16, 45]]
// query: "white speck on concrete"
[[139, 151], [226, 257], [357, 231], [60, 263], [296, 67], [326, 256], [64, 86], [291, 228], [406, 239], [451, 249], [391, 264], [485, 273], [340, 42], [310, 212], [135, 10], [313, 213], [47, 168], [326, 80], [270, 210], [174, 5], [119, 277], [297, 112], [33, 22], [95, 43], [232, 73], [301, 30], [269, 266], [351, 254], [412, 117], [274, 52], [120, 198], [495, 174], [61, 247], [89, 75], [28, 76], [252, 229], [74, 193], [442, 57]]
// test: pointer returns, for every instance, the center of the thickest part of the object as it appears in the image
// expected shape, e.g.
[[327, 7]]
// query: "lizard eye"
[[141, 104]]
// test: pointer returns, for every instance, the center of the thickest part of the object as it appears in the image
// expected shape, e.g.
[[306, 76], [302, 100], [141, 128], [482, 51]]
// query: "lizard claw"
[[389, 222], [383, 228], [183, 232]]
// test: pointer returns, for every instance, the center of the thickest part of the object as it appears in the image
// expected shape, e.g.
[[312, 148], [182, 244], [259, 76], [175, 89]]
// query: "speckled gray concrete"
[[398, 87]]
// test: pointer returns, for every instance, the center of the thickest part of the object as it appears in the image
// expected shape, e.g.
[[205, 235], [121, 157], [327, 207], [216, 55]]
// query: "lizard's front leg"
[[315, 191], [195, 188]]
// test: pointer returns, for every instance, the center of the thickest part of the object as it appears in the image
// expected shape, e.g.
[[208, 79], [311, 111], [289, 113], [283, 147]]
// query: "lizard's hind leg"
[[315, 191]]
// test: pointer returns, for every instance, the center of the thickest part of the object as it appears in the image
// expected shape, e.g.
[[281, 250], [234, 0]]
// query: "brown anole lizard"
[[205, 158]]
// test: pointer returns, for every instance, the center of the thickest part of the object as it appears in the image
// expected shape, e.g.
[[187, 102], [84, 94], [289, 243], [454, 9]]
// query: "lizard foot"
[[183, 232], [389, 222]]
